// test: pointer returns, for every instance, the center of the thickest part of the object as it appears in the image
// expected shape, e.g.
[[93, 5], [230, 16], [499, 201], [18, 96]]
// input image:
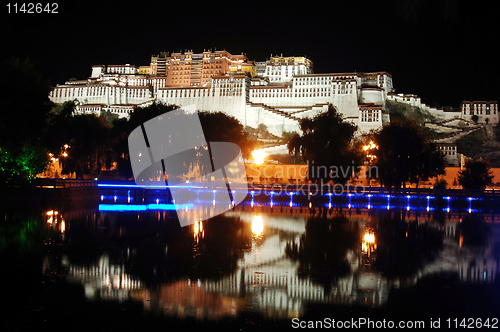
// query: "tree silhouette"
[[322, 249], [217, 127], [25, 108], [326, 146], [403, 248], [476, 175], [406, 155]]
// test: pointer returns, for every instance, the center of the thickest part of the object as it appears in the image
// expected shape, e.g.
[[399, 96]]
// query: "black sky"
[[442, 50]]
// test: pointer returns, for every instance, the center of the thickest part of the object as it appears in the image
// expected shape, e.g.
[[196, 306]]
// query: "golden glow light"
[[198, 230], [257, 225], [55, 218], [258, 156], [368, 246], [198, 227], [369, 147], [369, 238]]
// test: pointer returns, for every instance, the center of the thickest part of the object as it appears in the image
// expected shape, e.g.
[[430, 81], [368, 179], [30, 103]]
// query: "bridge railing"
[[61, 183]]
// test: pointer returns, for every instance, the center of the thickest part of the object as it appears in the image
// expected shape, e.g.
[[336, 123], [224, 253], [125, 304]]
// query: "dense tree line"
[[95, 144], [403, 152]]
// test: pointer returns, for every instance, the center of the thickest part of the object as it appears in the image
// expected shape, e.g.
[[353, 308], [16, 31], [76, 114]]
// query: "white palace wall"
[[360, 97], [279, 107], [101, 94]]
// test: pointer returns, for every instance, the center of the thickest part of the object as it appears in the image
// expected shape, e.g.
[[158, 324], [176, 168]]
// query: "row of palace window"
[[479, 111], [288, 94], [96, 110], [199, 93], [448, 150], [99, 91], [370, 115]]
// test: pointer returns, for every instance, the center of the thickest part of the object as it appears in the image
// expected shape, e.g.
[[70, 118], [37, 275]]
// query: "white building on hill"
[[277, 92]]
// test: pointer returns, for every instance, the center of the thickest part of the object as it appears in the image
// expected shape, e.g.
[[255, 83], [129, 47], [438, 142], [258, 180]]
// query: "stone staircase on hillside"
[[288, 115], [304, 109], [273, 110]]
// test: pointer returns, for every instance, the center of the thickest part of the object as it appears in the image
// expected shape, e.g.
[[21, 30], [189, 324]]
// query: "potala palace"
[[277, 92]]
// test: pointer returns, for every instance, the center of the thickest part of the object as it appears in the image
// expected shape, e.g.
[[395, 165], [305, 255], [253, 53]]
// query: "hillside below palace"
[[277, 92]]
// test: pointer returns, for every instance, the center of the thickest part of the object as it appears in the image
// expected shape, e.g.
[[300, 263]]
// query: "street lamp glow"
[[369, 147], [258, 156]]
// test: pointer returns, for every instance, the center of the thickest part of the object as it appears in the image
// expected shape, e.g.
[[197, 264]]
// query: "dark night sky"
[[442, 50]]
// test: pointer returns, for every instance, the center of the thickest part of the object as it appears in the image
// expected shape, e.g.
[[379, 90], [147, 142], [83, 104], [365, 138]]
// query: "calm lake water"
[[114, 265]]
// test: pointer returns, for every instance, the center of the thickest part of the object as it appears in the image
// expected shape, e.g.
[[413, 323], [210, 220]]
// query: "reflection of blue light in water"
[[136, 207], [107, 185], [122, 207], [397, 205]]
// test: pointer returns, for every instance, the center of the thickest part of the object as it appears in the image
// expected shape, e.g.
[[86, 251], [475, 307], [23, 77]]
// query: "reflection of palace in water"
[[266, 281]]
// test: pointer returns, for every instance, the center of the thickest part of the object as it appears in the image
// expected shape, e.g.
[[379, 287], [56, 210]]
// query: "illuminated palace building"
[[277, 92]]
